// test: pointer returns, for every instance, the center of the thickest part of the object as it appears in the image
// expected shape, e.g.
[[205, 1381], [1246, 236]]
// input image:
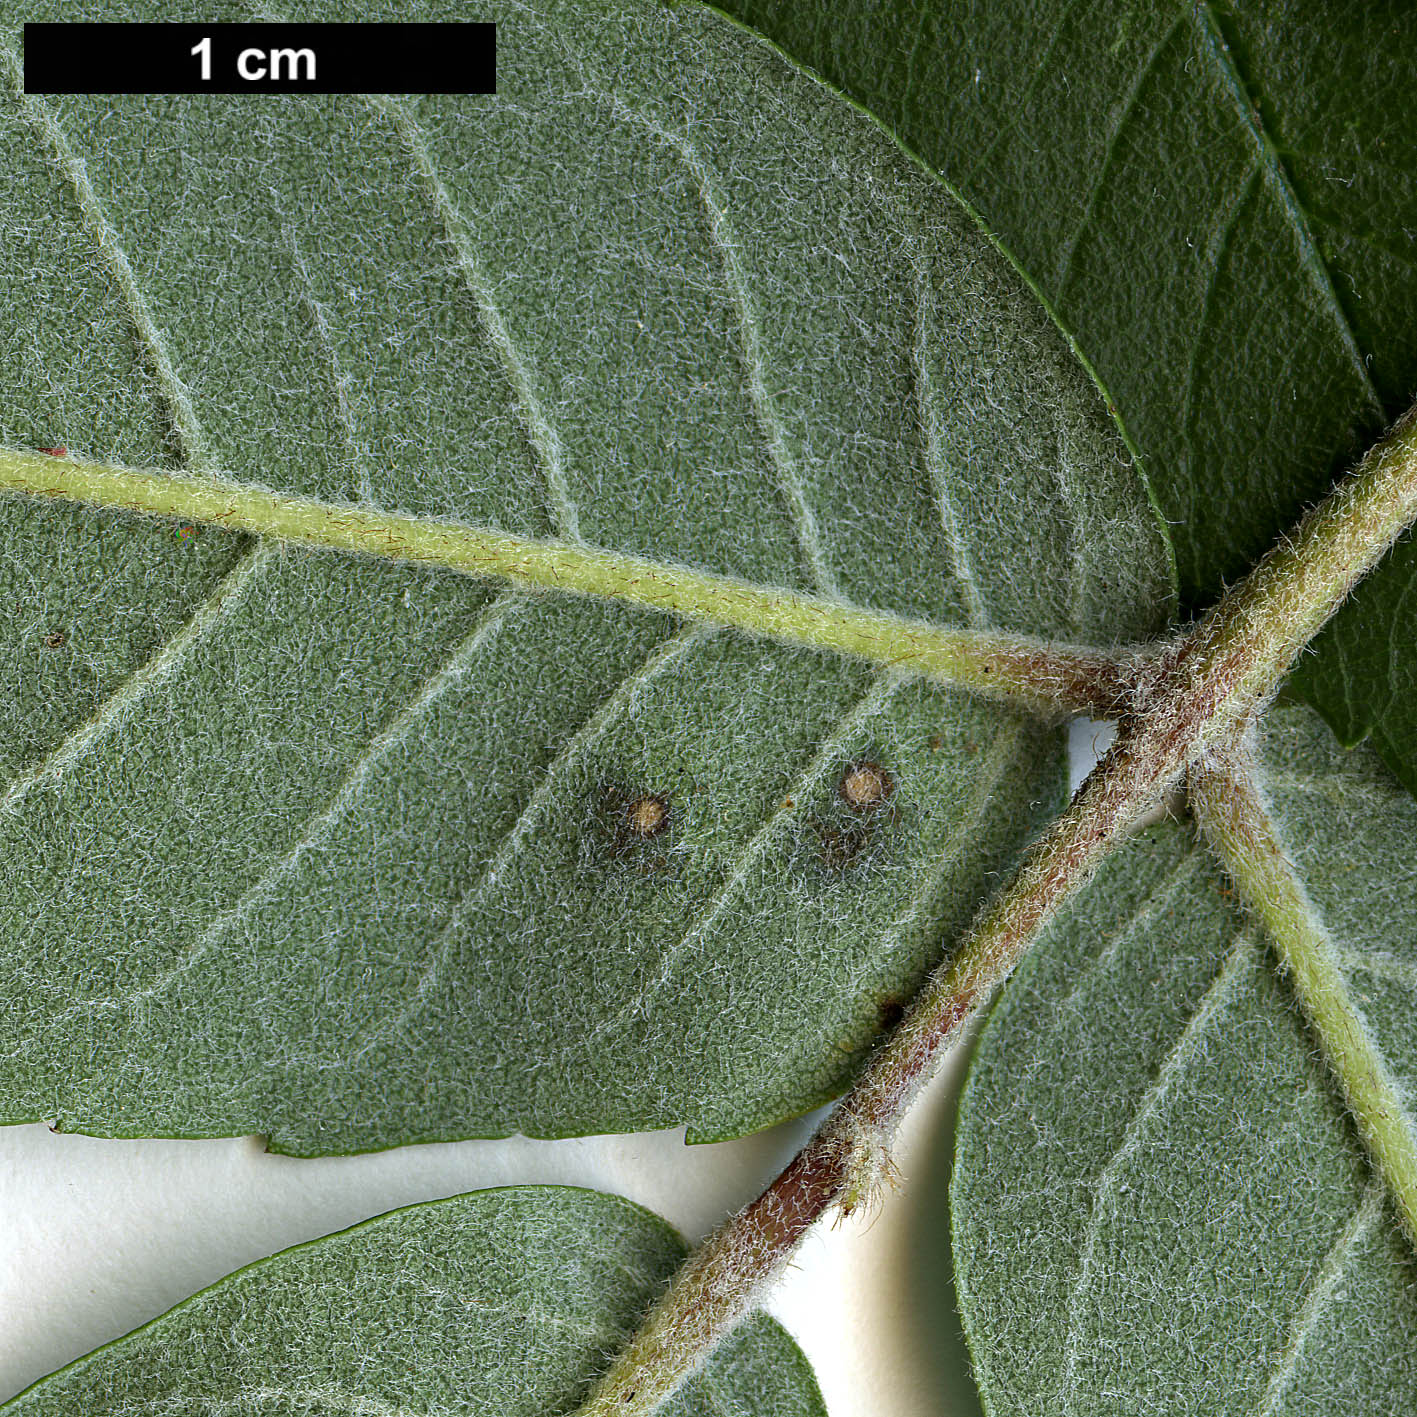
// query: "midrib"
[[1002, 665]]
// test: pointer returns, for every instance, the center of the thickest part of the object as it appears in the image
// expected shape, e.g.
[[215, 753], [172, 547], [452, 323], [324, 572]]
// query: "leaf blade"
[[1222, 224], [360, 873], [1174, 1170], [499, 1301]]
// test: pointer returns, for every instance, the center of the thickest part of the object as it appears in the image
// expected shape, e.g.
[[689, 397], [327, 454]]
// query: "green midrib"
[[1040, 676]]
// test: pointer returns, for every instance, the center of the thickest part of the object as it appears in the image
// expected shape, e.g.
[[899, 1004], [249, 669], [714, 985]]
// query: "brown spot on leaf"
[[857, 823], [865, 784], [55, 639], [647, 816], [841, 847], [632, 826]]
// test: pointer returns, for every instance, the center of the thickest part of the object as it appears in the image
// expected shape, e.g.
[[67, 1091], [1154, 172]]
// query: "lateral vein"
[[619, 701], [542, 432], [828, 754], [320, 824], [725, 242], [160, 667], [1320, 1295], [1204, 17], [934, 456], [46, 127], [1230, 805], [1186, 1047]]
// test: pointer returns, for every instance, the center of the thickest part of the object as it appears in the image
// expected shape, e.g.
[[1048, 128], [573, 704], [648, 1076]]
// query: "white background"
[[99, 1236]]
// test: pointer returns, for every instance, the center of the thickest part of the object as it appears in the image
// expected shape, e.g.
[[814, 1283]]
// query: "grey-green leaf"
[[504, 1303], [1160, 1204], [353, 854], [1219, 200]]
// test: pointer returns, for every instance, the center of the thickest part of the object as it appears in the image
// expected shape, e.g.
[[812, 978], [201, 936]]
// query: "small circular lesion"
[[865, 784], [647, 815], [856, 824], [633, 826], [56, 639]]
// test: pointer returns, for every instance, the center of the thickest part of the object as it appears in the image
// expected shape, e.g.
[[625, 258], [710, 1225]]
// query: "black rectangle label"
[[260, 58]]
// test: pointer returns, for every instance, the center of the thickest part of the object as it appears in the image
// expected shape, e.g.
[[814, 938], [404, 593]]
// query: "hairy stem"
[[1246, 644], [843, 1165], [1207, 688], [1228, 801], [1046, 678]]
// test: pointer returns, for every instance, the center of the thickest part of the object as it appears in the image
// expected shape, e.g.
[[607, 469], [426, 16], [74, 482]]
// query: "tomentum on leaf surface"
[[348, 854], [354, 853], [499, 1303], [1220, 202]]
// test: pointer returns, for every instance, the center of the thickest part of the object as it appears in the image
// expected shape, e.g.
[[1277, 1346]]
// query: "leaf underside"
[[1160, 1204], [345, 853], [1220, 202], [500, 1303]]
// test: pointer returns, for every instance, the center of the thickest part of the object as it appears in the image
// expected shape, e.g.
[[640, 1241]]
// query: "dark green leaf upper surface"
[[1220, 201], [354, 854], [1159, 1202], [499, 1303]]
